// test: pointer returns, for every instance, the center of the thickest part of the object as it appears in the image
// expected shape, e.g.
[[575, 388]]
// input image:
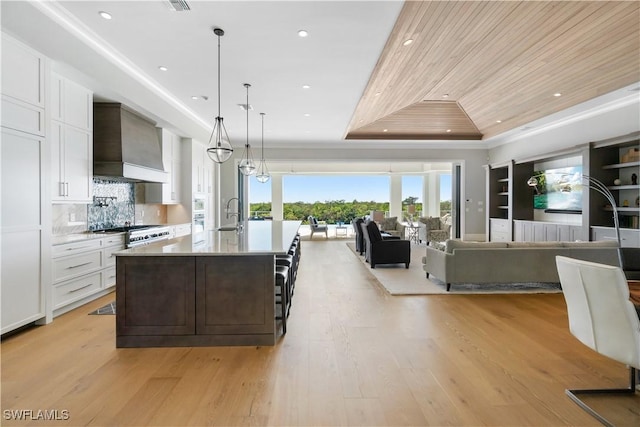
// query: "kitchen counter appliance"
[[138, 235]]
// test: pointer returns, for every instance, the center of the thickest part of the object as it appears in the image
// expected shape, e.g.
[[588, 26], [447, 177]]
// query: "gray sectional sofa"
[[509, 262]]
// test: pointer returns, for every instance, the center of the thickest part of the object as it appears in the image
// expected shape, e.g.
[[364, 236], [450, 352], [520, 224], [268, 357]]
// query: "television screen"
[[559, 190]]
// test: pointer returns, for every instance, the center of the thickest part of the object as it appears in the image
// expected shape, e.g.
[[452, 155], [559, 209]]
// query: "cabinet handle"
[[66, 186], [76, 248], [79, 265], [60, 188], [80, 288]]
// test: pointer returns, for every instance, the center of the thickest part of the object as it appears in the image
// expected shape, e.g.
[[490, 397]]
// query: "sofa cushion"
[[597, 244], [534, 244], [450, 245], [389, 223]]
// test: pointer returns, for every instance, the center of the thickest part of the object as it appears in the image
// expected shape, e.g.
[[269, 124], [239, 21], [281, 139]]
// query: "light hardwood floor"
[[353, 355]]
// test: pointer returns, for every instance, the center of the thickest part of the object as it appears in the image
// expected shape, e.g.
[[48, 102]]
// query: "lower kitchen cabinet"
[[83, 270]]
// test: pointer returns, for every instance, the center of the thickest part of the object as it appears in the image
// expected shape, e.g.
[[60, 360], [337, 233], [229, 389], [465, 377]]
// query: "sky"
[[314, 188]]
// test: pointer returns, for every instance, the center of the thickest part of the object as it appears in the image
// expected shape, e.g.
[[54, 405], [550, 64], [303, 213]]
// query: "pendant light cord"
[[218, 75]]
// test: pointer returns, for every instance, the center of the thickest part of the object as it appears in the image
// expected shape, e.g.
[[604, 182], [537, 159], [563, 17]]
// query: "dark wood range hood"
[[126, 146]]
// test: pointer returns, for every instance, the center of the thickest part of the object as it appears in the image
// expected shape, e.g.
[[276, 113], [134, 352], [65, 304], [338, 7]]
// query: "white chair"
[[601, 317]]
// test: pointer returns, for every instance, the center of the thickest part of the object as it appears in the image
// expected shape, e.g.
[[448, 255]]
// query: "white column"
[[395, 196], [277, 208], [432, 196]]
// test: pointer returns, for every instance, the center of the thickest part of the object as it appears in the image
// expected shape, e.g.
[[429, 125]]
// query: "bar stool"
[[282, 298], [288, 261]]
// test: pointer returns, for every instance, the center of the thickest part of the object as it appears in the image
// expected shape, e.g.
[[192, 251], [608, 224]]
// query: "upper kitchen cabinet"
[[71, 103], [167, 193], [22, 87], [71, 141]]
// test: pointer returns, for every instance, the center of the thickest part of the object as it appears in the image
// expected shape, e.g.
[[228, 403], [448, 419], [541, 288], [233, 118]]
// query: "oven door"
[[198, 222]]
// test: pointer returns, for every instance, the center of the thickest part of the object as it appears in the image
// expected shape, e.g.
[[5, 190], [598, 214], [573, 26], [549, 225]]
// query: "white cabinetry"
[[25, 208], [71, 142], [540, 231], [499, 230], [168, 193], [629, 238], [83, 270]]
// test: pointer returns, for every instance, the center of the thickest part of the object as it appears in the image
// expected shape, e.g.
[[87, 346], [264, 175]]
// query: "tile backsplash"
[[115, 203]]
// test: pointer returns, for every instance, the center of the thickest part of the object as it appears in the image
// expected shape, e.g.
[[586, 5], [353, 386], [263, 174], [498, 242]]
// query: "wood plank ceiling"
[[476, 69]]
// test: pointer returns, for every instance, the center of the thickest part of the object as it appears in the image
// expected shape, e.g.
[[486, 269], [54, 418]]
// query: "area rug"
[[398, 280], [107, 309]]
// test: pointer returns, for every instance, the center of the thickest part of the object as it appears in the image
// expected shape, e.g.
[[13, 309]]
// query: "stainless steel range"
[[138, 235]]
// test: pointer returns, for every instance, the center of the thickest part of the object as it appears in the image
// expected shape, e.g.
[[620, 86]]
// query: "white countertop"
[[257, 238]]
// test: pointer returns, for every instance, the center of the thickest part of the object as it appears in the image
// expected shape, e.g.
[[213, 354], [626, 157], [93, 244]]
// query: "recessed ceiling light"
[[385, 130], [306, 87], [448, 130], [162, 68], [407, 42], [105, 15], [307, 115], [557, 94], [194, 97], [498, 121], [446, 95], [303, 33], [376, 94], [245, 107]]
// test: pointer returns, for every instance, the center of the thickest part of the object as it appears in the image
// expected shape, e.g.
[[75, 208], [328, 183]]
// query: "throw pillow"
[[433, 223], [389, 223]]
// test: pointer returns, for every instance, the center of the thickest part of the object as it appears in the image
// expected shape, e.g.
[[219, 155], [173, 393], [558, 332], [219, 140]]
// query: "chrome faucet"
[[230, 214]]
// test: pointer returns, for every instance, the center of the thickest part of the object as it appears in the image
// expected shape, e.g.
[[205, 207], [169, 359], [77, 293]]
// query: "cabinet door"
[[21, 264], [235, 295], [550, 233], [56, 138], [57, 97], [22, 72], [155, 295], [198, 167], [78, 106], [78, 164]]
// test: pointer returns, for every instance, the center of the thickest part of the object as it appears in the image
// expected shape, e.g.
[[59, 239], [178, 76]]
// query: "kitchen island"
[[206, 289]]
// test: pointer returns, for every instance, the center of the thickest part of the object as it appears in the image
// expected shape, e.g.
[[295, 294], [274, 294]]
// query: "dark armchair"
[[381, 251], [317, 227], [357, 228]]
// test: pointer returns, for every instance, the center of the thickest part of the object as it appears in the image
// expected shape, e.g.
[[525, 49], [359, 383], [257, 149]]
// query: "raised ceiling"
[[496, 60], [499, 62]]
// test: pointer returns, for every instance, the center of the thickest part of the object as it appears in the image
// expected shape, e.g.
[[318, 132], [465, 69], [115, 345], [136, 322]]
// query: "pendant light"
[[247, 165], [219, 149], [263, 173]]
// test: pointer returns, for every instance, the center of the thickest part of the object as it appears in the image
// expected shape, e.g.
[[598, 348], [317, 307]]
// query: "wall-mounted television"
[[559, 190]]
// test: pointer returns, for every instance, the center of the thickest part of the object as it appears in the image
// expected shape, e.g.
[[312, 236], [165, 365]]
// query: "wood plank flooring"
[[353, 355]]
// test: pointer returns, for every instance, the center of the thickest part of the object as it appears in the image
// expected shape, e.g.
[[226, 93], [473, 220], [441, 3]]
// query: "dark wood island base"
[[168, 298]]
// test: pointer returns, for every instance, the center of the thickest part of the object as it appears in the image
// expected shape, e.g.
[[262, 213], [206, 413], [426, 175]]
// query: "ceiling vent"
[[178, 5]]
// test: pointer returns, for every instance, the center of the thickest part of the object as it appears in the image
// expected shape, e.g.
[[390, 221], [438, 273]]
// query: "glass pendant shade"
[[219, 149], [247, 166], [262, 175]]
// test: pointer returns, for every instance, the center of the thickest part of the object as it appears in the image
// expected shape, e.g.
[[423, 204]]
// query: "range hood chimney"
[[125, 145]]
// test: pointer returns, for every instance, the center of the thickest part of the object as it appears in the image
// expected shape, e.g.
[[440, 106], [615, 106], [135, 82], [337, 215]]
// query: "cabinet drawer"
[[115, 240], [499, 225], [75, 247], [71, 266], [73, 290], [109, 277], [109, 257]]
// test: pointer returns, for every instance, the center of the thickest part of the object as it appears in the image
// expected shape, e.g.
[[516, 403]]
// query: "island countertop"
[[256, 238]]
